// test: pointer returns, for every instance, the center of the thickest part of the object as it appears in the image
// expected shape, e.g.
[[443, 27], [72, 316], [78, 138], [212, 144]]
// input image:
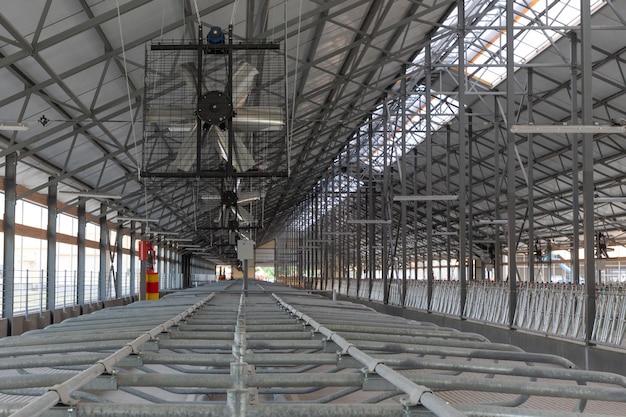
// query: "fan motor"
[[214, 107], [229, 198]]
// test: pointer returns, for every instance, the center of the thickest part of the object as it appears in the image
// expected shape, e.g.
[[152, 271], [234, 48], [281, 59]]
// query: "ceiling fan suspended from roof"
[[220, 107]]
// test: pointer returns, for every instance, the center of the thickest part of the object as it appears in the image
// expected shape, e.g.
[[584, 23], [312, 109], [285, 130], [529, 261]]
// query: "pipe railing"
[[61, 393], [550, 309], [417, 394]]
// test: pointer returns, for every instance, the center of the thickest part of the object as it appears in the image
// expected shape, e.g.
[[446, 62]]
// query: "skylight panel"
[[486, 55], [485, 61], [443, 110]]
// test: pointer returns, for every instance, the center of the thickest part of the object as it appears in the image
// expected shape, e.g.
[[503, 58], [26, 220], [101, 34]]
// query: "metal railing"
[[30, 289], [551, 309]]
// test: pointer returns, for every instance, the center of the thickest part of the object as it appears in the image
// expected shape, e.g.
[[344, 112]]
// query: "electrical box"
[[245, 250], [145, 247]]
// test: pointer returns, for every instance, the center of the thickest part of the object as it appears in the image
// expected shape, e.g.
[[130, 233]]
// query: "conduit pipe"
[[62, 392], [266, 380], [286, 410], [418, 394]]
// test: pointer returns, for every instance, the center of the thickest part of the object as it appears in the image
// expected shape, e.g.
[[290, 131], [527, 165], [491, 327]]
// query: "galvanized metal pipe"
[[283, 410], [62, 392], [210, 410], [259, 359], [417, 393]]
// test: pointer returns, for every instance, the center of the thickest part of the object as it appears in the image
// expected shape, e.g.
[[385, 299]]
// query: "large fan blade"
[[242, 159], [187, 155], [244, 197], [170, 114], [242, 83], [189, 71], [259, 119], [243, 215], [247, 119]]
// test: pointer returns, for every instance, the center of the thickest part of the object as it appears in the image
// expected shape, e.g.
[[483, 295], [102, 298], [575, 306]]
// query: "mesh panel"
[[238, 127]]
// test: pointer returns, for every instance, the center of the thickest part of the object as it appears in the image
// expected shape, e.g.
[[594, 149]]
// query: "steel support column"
[[119, 260], [144, 265], [51, 253], [103, 259], [429, 178], [358, 214], [132, 276], [510, 154], [371, 233], [448, 191], [497, 184], [8, 270], [462, 155], [575, 160], [403, 181], [81, 252], [588, 185], [531, 182]]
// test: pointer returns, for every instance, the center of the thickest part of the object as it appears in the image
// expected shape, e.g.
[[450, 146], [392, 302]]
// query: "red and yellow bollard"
[[152, 285]]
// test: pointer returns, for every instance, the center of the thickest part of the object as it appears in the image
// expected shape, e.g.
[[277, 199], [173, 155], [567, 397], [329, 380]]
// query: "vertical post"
[[133, 253], [81, 252], [119, 258], [143, 267], [385, 203], [448, 191], [575, 143], [245, 277], [51, 236], [403, 179], [497, 262], [104, 238], [359, 227], [429, 180], [470, 196], [588, 215], [462, 161], [8, 269], [371, 211], [333, 228], [531, 183], [510, 153]]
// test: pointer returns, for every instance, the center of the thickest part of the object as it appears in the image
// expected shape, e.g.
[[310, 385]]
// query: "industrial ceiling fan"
[[219, 109], [231, 204]]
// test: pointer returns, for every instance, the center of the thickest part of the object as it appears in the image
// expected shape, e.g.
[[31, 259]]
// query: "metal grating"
[[235, 116]]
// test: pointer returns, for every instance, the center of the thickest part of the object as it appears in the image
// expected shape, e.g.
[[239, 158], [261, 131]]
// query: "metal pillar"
[[51, 253], [575, 144], [497, 183], [104, 237], [462, 161], [8, 270], [81, 252], [359, 227], [132, 278], [143, 266], [588, 185], [372, 209], [429, 180], [403, 181], [333, 229], [531, 183], [510, 152], [119, 235], [448, 191], [470, 196]]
